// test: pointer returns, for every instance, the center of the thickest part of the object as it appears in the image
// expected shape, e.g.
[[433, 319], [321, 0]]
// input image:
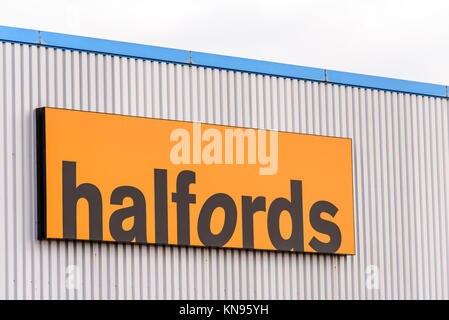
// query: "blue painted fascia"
[[132, 50], [257, 66], [19, 35], [383, 83], [120, 48]]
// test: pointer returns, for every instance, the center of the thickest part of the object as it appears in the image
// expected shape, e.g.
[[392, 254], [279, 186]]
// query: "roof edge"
[[141, 51]]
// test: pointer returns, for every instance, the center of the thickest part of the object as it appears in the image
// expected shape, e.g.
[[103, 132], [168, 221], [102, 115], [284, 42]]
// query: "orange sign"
[[105, 177]]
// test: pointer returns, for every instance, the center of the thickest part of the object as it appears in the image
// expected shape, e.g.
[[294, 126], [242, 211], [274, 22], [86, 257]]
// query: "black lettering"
[[160, 206], [183, 198], [70, 196], [249, 207], [294, 207], [324, 226], [137, 210], [205, 234]]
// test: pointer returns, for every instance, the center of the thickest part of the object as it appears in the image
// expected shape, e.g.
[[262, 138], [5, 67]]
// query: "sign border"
[[41, 162]]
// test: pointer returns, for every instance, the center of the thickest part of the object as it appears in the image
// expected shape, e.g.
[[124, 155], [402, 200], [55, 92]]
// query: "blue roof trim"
[[126, 49], [390, 84], [257, 66], [113, 47], [19, 35]]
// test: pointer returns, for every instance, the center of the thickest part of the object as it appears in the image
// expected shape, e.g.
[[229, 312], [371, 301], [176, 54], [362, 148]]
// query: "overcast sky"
[[401, 39]]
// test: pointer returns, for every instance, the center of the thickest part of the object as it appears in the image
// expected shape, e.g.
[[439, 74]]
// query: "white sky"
[[404, 39]]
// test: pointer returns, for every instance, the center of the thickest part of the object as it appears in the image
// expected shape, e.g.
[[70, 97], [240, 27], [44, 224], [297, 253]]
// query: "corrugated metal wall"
[[400, 161]]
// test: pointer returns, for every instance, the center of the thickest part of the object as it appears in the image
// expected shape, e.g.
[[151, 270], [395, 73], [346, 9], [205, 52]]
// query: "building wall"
[[400, 169]]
